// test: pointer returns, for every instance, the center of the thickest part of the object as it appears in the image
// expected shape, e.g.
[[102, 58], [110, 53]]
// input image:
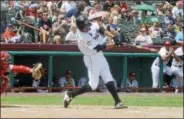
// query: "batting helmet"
[[82, 22], [167, 43]]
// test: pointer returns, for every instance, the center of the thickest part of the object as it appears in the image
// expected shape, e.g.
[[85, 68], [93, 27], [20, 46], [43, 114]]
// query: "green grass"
[[130, 99]]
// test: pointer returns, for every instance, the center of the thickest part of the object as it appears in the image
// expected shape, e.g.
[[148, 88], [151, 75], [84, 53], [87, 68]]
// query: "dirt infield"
[[28, 111]]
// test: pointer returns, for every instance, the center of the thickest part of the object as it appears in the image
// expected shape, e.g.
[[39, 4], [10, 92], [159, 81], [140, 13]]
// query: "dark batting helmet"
[[82, 22]]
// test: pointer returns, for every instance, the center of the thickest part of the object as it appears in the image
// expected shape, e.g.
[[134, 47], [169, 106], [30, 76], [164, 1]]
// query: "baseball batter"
[[165, 53], [5, 66], [95, 62], [177, 67]]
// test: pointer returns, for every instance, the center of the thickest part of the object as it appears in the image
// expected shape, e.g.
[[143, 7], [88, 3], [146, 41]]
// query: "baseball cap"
[[132, 74], [68, 72]]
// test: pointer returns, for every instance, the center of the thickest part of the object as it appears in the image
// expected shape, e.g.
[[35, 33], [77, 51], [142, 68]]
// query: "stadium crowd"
[[53, 21]]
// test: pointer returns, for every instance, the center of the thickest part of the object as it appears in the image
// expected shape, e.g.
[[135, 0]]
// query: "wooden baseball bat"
[[23, 23], [142, 47]]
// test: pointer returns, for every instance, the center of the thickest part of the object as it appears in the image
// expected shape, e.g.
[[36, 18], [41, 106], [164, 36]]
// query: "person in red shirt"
[[6, 66], [9, 33]]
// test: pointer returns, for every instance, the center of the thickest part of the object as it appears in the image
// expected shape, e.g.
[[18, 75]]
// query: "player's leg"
[[155, 70], [5, 82], [109, 82], [93, 75]]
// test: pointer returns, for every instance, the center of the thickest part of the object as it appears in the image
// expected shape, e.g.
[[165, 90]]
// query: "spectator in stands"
[[67, 6], [131, 83], [171, 32], [87, 7], [60, 29], [82, 81], [108, 5], [76, 11], [168, 18], [71, 37], [143, 38], [45, 25], [96, 8], [135, 17], [144, 18], [9, 34], [53, 12], [67, 80], [115, 14], [32, 10], [179, 36], [156, 30], [177, 11], [22, 13]]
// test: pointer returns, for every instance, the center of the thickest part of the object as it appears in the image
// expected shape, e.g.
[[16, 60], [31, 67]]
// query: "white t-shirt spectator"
[[63, 82], [156, 32], [176, 12], [144, 40], [67, 6]]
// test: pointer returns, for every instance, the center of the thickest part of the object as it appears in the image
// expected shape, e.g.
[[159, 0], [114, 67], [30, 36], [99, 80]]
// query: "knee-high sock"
[[5, 83], [83, 89], [112, 89], [21, 69]]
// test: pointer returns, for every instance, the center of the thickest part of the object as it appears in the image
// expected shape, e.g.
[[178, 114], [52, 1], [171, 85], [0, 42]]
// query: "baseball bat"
[[23, 23], [142, 47]]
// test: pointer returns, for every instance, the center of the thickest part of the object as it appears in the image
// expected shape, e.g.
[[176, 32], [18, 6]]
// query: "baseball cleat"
[[120, 105], [67, 99]]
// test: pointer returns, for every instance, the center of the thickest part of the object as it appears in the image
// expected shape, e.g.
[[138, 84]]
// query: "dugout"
[[58, 58]]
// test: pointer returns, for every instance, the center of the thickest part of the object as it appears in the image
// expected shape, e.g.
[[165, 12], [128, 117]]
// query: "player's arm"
[[177, 58]]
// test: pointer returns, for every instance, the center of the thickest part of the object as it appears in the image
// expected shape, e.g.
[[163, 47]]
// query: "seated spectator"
[[156, 30], [71, 37], [171, 31], [115, 13], [60, 30], [96, 8], [87, 7], [67, 6], [82, 81], [32, 10], [145, 18], [108, 5], [136, 18], [53, 12], [177, 26], [177, 11], [76, 11], [22, 13], [9, 35], [67, 81], [179, 36], [143, 38], [131, 83], [45, 27]]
